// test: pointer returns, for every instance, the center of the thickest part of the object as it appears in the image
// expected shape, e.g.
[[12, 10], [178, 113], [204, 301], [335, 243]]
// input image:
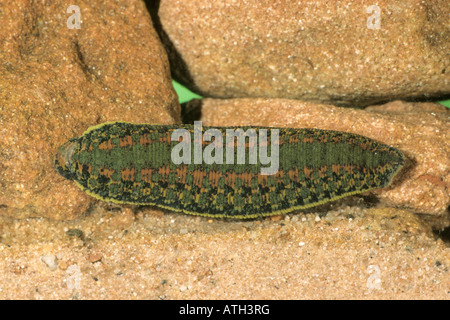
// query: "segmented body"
[[132, 163]]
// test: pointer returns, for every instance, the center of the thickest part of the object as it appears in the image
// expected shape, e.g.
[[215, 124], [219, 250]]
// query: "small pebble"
[[276, 218], [50, 261], [94, 257]]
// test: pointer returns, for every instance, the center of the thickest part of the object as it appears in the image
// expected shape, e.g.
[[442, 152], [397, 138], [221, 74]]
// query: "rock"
[[50, 261], [55, 82], [398, 220], [319, 51], [380, 253], [95, 257], [419, 130]]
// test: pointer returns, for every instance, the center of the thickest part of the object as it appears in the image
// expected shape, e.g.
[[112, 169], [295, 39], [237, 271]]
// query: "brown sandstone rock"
[[319, 51], [420, 130], [351, 253], [55, 82]]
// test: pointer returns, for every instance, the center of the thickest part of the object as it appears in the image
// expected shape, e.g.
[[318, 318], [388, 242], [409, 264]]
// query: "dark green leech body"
[[131, 163]]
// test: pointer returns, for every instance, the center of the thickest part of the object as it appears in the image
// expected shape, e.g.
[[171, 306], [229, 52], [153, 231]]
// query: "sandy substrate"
[[345, 251]]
